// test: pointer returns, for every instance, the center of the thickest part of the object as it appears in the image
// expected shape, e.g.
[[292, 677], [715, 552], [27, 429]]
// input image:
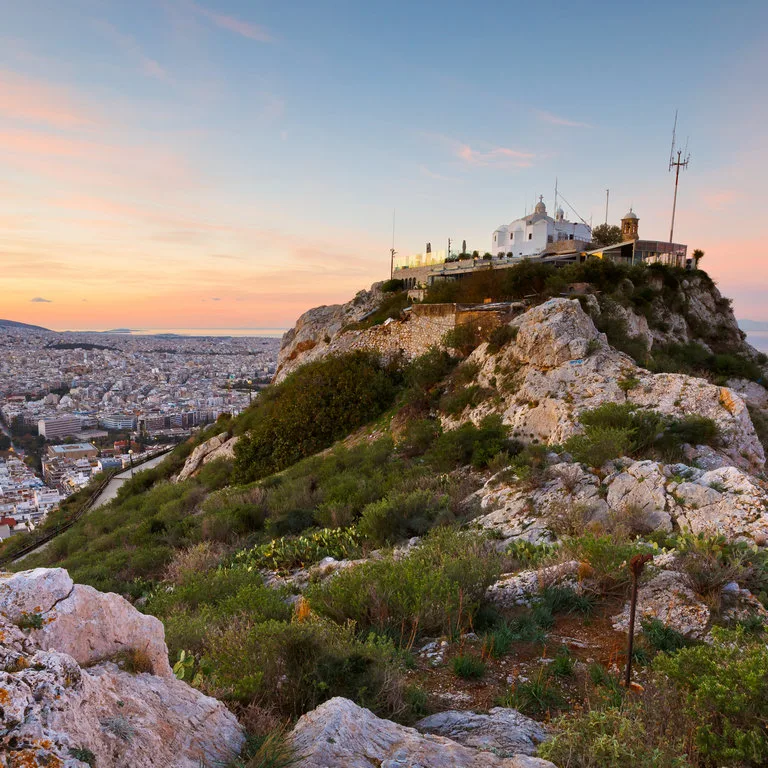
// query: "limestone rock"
[[560, 365], [670, 600], [79, 620], [641, 488], [53, 706], [219, 447], [505, 732], [339, 733], [521, 588], [314, 331]]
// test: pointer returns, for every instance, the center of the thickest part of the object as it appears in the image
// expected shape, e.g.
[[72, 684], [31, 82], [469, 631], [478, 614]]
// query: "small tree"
[[698, 255], [463, 246], [605, 234]]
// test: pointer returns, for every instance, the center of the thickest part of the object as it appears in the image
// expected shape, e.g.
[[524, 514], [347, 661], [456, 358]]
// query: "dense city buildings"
[[89, 402]]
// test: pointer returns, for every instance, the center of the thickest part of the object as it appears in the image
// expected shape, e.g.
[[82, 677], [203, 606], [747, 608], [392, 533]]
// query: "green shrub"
[[562, 665], [662, 638], [567, 600], [463, 338], [295, 666], [402, 515], [316, 405], [622, 429], [500, 337], [535, 697], [605, 561], [468, 667], [606, 738], [435, 589], [418, 437], [724, 695], [709, 563], [393, 285], [469, 444], [84, 755], [599, 444], [454, 403]]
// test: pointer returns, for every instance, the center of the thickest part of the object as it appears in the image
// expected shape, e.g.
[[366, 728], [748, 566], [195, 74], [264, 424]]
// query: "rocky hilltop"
[[416, 549]]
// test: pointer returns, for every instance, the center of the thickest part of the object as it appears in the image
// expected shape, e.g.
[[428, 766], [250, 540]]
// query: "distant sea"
[[276, 332], [758, 339]]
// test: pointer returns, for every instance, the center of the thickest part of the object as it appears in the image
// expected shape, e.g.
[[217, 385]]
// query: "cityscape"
[[76, 404]]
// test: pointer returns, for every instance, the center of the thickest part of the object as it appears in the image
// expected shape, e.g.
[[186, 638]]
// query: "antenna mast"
[[682, 160], [392, 250], [607, 195]]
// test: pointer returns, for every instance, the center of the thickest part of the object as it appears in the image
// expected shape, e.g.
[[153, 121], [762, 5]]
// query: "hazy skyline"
[[232, 163]]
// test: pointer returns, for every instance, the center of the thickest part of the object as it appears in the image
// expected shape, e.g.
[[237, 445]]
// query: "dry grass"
[[196, 559]]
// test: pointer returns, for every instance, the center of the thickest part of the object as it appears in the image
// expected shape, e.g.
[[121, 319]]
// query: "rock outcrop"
[[219, 447], [725, 501], [66, 692], [560, 365], [314, 331], [339, 733], [504, 732]]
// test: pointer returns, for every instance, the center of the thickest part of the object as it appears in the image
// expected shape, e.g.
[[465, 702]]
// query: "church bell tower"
[[629, 225]]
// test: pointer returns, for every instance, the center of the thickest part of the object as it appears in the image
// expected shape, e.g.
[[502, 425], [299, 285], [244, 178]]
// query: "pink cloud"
[[22, 98], [494, 156], [718, 200], [553, 119], [233, 24]]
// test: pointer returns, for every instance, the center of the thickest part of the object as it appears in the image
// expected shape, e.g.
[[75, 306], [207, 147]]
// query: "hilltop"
[[14, 324], [413, 546]]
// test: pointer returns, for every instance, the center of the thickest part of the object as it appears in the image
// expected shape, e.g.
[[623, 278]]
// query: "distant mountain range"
[[753, 325], [14, 324]]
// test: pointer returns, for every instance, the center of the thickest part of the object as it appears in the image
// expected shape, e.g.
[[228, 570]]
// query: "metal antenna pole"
[[677, 165], [392, 250], [607, 194]]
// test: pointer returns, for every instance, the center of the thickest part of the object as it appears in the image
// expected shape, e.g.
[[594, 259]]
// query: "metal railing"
[[59, 529]]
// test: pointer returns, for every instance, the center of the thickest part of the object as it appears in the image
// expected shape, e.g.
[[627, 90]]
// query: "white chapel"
[[532, 234]]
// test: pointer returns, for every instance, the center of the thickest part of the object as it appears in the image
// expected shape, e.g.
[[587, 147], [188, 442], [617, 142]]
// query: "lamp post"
[[130, 458]]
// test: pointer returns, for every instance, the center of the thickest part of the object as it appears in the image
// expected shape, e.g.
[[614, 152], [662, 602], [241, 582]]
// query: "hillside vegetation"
[[357, 527]]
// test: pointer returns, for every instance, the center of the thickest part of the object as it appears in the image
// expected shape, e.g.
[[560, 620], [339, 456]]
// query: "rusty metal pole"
[[636, 565]]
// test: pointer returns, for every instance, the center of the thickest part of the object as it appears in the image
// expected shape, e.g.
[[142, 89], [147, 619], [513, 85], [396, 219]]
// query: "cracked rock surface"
[[62, 696]]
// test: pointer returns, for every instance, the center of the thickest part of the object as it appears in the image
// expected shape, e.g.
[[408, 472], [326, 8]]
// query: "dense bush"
[[435, 589], [318, 404], [295, 666], [469, 444], [613, 430]]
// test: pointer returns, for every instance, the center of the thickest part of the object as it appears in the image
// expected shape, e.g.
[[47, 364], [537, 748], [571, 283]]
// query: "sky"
[[232, 163]]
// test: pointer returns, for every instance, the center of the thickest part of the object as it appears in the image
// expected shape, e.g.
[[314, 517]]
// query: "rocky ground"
[[85, 680]]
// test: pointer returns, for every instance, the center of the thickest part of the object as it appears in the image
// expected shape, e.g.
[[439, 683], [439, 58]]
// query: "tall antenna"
[[554, 208], [681, 161], [607, 195], [392, 250]]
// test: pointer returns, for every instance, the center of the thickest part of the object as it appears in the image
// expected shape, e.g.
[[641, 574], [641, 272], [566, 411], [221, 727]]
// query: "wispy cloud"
[[432, 175], [40, 300], [495, 156], [486, 154], [22, 98], [553, 119], [128, 44], [233, 24], [719, 200]]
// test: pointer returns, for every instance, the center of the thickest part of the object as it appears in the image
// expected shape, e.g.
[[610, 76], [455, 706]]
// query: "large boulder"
[[79, 620], [339, 733], [218, 447], [505, 732], [59, 710]]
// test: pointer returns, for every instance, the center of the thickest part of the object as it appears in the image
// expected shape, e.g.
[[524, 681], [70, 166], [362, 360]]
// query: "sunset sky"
[[231, 163]]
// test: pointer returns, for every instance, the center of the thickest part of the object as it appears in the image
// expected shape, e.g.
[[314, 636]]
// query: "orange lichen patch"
[[5, 696], [726, 400], [32, 758], [18, 665], [302, 346]]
